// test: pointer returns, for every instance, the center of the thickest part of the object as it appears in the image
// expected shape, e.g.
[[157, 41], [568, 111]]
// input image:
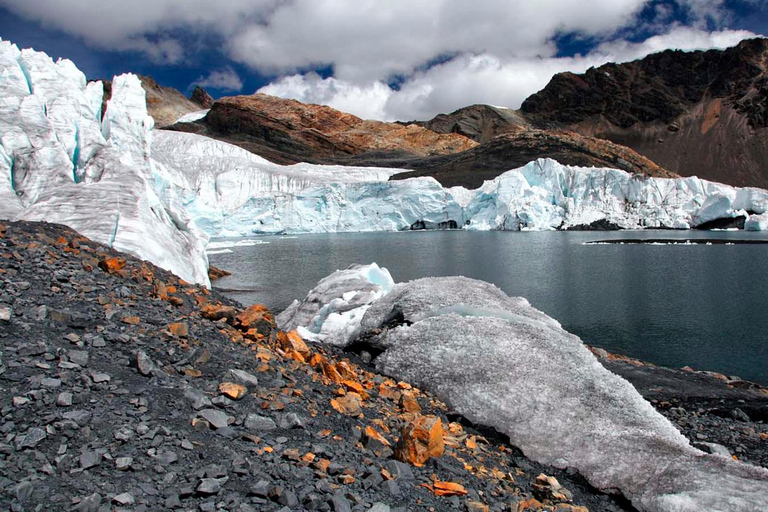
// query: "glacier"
[[63, 162], [160, 195], [230, 192], [502, 363]]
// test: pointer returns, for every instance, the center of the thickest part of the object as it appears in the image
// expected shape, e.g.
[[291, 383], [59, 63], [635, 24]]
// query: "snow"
[[332, 311], [193, 116], [61, 163], [757, 222], [502, 363]]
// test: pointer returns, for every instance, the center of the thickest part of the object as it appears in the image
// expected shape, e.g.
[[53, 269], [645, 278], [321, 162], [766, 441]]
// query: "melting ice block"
[[334, 308], [502, 363]]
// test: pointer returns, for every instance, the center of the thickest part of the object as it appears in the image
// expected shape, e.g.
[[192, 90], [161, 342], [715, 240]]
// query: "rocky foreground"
[[125, 388]]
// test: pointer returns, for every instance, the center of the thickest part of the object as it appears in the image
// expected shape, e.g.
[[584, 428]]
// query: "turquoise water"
[[674, 305]]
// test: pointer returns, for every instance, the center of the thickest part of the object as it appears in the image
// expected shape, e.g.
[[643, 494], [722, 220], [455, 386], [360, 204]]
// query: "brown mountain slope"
[[288, 131], [694, 113]]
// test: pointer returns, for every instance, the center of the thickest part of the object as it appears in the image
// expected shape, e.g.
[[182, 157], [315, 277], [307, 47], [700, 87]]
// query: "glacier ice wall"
[[231, 192], [502, 363], [61, 162]]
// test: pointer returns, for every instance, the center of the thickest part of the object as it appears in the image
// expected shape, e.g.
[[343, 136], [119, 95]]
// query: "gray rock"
[[5, 314], [79, 416], [99, 377], [399, 470], [218, 419], [167, 457], [291, 420], [241, 377], [340, 503], [64, 399], [124, 499], [123, 463], [259, 423], [209, 486], [379, 507], [50, 382], [90, 459], [143, 363], [32, 438], [78, 357], [89, 503], [260, 489], [740, 415]]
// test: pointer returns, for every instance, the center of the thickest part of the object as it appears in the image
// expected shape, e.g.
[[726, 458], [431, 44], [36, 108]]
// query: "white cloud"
[[226, 80], [492, 51], [469, 79]]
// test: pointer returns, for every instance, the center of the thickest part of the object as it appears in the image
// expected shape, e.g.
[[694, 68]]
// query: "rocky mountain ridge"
[[702, 113]]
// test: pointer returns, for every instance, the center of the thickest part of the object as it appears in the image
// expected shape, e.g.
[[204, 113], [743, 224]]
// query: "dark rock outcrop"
[[480, 123], [201, 97], [700, 113], [517, 148]]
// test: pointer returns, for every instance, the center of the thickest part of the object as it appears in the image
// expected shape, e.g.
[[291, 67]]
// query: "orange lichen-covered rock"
[[374, 434], [408, 403], [232, 390], [353, 385], [179, 329], [350, 404], [421, 439], [111, 265], [255, 315], [292, 341], [446, 488], [131, 320], [216, 312]]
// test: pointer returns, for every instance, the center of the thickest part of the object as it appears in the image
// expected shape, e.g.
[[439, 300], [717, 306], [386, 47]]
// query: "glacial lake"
[[700, 305]]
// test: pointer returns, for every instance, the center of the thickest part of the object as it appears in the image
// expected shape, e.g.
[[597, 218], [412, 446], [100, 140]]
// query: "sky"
[[378, 59]]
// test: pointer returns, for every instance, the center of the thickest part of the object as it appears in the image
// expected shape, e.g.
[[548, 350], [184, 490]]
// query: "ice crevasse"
[[502, 363]]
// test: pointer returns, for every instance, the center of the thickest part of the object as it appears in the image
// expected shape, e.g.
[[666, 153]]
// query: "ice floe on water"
[[502, 363], [226, 244]]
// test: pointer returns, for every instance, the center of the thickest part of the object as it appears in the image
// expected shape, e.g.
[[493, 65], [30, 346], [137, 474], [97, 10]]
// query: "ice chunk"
[[502, 363], [757, 222], [332, 311], [193, 116]]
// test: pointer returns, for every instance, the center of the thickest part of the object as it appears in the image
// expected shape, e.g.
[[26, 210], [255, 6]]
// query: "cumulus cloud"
[[444, 54], [226, 80], [485, 78]]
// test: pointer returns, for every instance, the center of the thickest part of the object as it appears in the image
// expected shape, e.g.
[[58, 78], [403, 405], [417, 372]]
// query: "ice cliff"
[[231, 192], [502, 363], [61, 162]]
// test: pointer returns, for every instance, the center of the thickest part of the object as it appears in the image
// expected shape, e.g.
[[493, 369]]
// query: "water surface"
[[674, 305]]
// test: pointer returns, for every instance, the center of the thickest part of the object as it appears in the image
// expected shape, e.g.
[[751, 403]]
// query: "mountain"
[[459, 149], [287, 132], [480, 123], [701, 113]]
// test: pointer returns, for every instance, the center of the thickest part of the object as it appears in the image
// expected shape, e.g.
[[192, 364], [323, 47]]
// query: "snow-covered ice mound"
[[332, 311], [60, 162], [502, 363]]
